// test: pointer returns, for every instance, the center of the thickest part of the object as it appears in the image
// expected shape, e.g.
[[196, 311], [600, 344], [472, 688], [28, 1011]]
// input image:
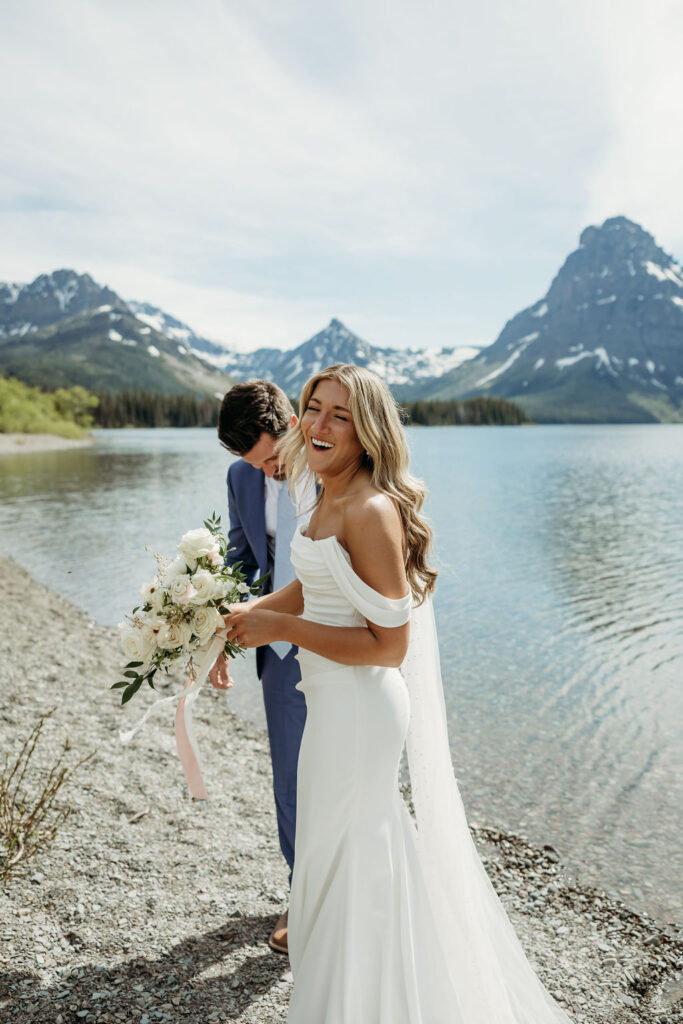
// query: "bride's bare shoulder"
[[374, 539]]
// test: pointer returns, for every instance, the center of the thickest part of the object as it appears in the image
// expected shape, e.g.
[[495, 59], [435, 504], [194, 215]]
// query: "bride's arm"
[[289, 600], [374, 540]]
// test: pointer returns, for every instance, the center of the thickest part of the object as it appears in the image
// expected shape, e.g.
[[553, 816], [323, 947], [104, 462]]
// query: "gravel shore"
[[149, 907], [15, 444]]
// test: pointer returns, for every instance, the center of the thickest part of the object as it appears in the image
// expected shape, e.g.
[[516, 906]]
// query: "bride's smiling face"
[[332, 443]]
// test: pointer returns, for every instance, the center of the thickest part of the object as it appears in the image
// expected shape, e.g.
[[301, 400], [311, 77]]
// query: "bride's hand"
[[253, 627]]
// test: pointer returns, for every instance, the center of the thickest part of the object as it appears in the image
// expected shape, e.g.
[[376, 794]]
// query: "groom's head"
[[252, 417]]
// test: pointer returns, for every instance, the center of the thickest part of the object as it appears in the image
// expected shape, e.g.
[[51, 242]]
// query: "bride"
[[392, 921]]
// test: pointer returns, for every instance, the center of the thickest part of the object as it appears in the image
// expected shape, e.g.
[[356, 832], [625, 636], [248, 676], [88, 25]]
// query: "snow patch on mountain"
[[566, 361], [671, 273]]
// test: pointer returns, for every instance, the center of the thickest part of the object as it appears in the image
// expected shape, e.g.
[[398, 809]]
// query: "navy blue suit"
[[285, 706]]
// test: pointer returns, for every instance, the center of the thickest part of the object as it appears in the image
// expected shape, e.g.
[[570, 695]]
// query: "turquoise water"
[[560, 612]]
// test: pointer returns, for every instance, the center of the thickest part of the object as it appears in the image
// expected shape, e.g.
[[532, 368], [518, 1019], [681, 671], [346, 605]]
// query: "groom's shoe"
[[278, 936]]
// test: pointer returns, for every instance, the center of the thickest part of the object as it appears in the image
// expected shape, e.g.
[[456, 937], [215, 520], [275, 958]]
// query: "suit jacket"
[[247, 534]]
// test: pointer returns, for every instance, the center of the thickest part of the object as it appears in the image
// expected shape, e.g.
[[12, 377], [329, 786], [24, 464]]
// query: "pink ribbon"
[[188, 751]]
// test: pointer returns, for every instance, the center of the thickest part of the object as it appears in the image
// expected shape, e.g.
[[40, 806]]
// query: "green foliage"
[[478, 411], [151, 409], [75, 404], [29, 410]]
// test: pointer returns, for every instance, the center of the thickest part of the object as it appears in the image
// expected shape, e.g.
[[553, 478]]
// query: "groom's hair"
[[250, 409]]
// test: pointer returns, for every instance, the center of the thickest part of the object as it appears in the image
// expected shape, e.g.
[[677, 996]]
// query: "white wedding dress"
[[389, 922]]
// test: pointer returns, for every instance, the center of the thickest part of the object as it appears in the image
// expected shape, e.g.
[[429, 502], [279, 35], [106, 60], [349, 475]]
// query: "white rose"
[[178, 567], [221, 588], [136, 642], [198, 544], [181, 590], [243, 588], [203, 582], [204, 623], [173, 635]]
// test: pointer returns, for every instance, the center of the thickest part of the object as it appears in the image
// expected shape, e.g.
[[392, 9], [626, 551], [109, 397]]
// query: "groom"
[[253, 415]]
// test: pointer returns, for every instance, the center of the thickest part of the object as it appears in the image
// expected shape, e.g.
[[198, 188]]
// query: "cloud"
[[257, 167], [641, 166]]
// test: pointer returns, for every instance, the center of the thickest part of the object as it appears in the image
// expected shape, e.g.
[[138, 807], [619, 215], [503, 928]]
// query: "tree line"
[[72, 410], [149, 409], [483, 410]]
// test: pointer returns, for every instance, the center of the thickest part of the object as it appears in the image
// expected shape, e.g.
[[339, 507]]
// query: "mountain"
[[401, 368], [605, 344], [174, 329], [64, 329], [49, 299]]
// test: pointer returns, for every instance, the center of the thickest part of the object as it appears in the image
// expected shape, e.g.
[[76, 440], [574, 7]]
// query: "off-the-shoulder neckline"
[[321, 540]]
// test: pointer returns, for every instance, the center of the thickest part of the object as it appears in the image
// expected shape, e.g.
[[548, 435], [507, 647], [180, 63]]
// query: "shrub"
[[29, 823]]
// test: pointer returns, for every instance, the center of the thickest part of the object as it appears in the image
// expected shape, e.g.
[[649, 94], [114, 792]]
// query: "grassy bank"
[[27, 410]]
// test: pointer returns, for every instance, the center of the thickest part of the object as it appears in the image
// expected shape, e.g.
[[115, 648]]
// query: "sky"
[[255, 168]]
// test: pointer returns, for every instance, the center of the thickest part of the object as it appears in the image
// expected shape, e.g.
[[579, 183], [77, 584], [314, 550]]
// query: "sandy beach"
[[149, 907], [14, 444]]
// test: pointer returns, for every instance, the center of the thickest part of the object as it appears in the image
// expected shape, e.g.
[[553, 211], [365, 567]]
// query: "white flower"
[[242, 588], [136, 641], [157, 601], [151, 627], [221, 588], [204, 623], [153, 594], [181, 590], [147, 590], [173, 635], [204, 583], [178, 567], [198, 544]]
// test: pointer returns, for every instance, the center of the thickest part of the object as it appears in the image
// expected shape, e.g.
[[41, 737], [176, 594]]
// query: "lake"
[[559, 606]]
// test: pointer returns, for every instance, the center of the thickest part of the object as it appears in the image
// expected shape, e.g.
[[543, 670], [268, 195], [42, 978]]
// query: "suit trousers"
[[285, 717]]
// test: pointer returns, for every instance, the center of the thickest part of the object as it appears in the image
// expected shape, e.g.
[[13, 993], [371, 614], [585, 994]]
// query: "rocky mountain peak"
[[617, 234], [605, 343], [613, 262], [51, 298]]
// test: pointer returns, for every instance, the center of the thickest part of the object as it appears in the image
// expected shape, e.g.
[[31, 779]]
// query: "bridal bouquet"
[[182, 608]]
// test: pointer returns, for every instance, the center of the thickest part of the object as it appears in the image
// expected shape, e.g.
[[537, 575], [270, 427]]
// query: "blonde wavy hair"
[[378, 426]]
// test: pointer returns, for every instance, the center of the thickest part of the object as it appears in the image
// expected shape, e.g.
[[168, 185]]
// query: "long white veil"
[[475, 927]]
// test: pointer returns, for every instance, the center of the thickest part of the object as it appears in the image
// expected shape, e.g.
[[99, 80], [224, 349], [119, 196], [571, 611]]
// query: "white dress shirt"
[[272, 493]]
